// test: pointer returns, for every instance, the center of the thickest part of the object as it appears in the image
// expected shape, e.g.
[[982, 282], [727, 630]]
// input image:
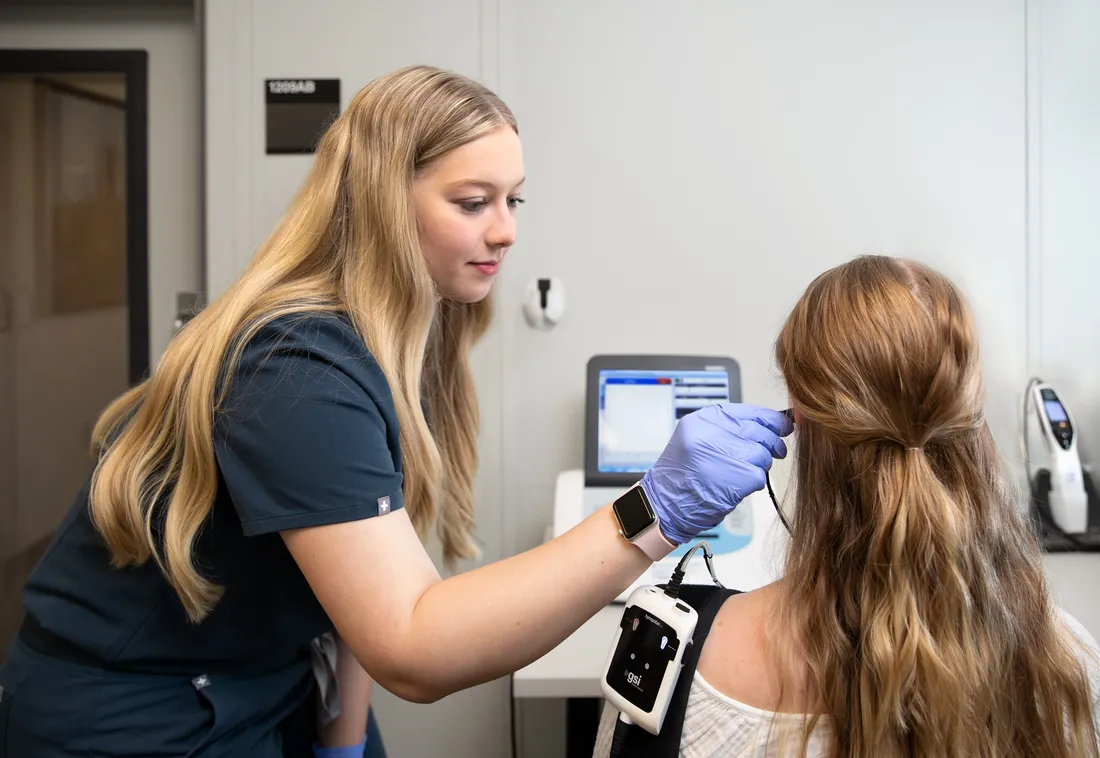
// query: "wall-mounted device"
[[1068, 501], [544, 302], [1063, 491]]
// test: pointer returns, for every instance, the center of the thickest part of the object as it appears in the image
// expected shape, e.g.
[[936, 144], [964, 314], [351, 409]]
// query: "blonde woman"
[[913, 619], [274, 478]]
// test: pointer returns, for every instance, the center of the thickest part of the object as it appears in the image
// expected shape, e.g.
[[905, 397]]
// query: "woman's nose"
[[502, 233]]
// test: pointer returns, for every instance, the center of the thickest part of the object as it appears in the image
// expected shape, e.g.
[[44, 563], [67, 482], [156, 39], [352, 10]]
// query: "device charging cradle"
[[1053, 539]]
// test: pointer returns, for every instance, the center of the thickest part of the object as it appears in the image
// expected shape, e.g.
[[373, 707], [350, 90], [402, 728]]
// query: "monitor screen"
[[639, 408]]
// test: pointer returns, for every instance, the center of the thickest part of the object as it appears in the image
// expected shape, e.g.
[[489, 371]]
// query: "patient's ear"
[[797, 413]]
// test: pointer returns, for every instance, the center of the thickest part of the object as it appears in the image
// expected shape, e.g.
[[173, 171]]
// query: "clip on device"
[[644, 663]]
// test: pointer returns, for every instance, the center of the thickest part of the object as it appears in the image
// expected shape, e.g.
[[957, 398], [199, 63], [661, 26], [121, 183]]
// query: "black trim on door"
[[134, 65], [71, 91]]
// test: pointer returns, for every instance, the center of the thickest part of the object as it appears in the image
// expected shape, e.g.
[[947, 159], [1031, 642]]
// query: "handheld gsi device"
[[643, 665], [1067, 497]]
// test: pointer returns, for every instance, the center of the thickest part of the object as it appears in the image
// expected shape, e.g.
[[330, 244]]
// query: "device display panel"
[[639, 409]]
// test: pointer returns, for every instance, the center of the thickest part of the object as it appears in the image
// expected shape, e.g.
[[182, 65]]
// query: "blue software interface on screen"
[[1055, 411], [639, 410]]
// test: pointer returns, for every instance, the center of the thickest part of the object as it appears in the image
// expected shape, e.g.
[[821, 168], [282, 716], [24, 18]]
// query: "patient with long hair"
[[913, 617]]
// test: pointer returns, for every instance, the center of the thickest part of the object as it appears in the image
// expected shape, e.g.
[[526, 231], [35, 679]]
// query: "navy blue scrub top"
[[308, 436]]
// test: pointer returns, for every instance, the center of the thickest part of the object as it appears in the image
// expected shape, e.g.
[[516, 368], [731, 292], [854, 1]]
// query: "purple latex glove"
[[351, 751], [717, 456]]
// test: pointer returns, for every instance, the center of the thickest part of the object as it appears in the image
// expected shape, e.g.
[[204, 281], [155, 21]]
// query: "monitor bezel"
[[593, 477]]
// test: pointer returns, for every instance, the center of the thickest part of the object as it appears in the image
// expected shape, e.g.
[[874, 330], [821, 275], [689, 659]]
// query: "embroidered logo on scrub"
[[383, 505]]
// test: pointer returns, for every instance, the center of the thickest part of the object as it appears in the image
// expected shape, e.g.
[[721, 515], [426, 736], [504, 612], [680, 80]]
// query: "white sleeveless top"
[[717, 726]]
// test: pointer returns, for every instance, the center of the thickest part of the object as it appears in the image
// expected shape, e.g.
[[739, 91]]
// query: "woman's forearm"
[[421, 637], [486, 623]]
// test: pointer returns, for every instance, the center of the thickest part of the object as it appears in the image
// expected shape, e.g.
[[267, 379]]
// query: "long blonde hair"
[[349, 242], [913, 586]]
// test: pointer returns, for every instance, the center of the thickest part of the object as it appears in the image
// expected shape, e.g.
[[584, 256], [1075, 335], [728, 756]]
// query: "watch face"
[[634, 513]]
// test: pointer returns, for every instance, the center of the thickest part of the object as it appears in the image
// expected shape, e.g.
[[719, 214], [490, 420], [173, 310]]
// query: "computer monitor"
[[634, 403]]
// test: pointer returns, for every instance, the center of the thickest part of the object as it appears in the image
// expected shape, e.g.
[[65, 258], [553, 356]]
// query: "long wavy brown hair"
[[914, 587], [349, 242]]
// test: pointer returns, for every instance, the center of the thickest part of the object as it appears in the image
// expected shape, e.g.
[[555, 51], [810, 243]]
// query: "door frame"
[[134, 66]]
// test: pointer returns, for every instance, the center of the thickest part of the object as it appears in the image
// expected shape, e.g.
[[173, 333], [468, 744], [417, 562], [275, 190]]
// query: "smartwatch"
[[638, 523]]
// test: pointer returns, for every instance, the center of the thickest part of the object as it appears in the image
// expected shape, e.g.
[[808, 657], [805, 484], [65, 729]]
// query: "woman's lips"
[[487, 267]]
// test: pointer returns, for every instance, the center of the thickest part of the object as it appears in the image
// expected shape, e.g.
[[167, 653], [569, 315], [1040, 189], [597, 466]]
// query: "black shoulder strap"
[[707, 600]]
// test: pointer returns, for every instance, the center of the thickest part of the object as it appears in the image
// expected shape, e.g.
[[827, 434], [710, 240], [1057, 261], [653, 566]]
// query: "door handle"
[[188, 305]]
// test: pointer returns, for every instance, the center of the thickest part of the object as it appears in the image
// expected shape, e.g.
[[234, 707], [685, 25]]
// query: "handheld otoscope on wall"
[[1064, 498]]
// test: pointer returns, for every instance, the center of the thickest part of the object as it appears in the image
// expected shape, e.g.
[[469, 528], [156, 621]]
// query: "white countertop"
[[572, 669]]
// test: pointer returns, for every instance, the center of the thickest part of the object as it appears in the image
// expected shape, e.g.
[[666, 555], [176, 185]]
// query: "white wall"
[[1064, 230], [1065, 71], [691, 167], [694, 166]]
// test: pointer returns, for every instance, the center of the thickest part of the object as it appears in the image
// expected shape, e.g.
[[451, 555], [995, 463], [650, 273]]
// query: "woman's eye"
[[473, 206]]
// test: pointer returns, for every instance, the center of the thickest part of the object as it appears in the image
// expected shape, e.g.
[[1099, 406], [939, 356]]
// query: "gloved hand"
[[351, 751], [717, 456]]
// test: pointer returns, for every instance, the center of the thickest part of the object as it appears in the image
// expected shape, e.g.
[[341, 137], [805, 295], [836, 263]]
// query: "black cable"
[[672, 589], [622, 734], [789, 413], [778, 511]]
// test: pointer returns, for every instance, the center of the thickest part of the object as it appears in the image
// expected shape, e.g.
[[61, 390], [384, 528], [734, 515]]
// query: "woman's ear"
[[794, 408]]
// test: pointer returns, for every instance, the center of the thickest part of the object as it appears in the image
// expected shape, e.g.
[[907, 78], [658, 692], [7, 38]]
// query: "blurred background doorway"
[[74, 324]]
